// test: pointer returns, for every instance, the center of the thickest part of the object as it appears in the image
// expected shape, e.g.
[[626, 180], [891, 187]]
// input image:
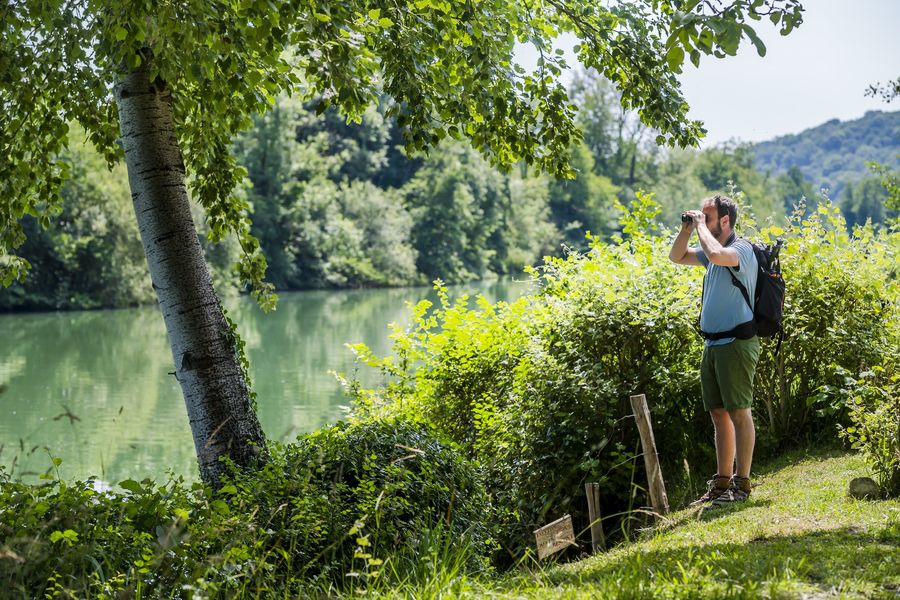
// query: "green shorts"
[[726, 374]]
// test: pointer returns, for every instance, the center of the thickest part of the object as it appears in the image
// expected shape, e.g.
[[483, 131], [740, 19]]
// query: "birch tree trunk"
[[223, 421]]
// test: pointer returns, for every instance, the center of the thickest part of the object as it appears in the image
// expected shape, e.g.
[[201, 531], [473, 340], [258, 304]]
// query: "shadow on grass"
[[845, 560], [705, 512], [710, 513], [795, 455]]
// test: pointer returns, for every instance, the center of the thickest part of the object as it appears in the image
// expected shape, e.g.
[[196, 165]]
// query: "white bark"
[[221, 416]]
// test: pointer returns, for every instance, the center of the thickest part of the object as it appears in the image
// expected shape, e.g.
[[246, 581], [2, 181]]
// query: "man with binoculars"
[[730, 352]]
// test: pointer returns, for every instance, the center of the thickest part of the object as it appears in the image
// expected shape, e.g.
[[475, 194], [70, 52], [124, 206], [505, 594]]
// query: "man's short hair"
[[724, 206]]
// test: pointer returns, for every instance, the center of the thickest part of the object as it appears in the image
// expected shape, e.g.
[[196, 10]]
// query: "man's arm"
[[715, 252], [680, 253]]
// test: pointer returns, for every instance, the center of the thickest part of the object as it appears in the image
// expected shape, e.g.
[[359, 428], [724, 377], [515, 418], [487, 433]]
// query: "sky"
[[817, 73]]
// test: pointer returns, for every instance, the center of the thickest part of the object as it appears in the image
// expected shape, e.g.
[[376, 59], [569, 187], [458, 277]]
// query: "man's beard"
[[717, 232]]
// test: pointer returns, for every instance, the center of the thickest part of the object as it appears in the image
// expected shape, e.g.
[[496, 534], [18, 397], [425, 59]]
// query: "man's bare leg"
[[725, 441], [745, 439]]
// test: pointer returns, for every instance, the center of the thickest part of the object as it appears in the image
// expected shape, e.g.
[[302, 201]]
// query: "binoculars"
[[686, 218]]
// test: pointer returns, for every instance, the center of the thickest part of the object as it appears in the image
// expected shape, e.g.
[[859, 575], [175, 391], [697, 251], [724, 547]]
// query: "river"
[[93, 387]]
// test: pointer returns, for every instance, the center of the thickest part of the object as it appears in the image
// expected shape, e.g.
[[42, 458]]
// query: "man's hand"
[[680, 253], [697, 218]]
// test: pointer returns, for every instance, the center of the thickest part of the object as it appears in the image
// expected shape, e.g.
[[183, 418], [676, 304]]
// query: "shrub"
[[842, 298], [537, 391], [874, 400], [378, 484], [343, 501], [77, 540]]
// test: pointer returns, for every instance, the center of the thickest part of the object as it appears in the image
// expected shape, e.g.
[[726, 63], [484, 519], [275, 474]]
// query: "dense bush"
[[873, 397], [389, 480], [537, 391], [841, 311], [347, 507]]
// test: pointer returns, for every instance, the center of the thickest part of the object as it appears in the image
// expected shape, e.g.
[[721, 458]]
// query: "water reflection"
[[95, 387]]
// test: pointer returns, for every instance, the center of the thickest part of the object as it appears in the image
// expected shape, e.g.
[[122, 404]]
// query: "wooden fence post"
[[598, 540], [651, 460]]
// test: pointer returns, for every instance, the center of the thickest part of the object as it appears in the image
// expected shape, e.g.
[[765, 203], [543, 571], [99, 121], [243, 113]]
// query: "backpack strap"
[[736, 282], [744, 331], [740, 286]]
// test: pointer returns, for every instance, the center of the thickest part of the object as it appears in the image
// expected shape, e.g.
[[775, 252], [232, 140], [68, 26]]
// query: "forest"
[[342, 205]]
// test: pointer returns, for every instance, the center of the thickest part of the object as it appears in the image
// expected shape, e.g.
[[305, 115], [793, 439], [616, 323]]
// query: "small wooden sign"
[[554, 537]]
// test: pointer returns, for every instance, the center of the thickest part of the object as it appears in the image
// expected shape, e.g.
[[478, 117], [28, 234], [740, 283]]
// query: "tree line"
[[338, 204]]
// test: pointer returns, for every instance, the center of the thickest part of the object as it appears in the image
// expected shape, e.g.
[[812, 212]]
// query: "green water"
[[94, 387]]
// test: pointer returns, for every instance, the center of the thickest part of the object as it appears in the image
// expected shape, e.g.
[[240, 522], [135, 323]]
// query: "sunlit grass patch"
[[799, 536]]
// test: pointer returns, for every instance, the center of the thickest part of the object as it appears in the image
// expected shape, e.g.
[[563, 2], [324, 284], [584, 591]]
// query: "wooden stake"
[[598, 540], [651, 460]]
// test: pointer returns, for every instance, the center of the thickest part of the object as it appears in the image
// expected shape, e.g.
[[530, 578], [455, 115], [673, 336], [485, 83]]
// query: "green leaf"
[[374, 14], [131, 485], [674, 58], [384, 22], [120, 33], [68, 536], [220, 507], [322, 17], [760, 46], [133, 61]]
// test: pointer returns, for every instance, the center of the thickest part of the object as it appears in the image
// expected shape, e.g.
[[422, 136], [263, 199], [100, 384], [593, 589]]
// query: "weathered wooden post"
[[598, 540], [651, 460]]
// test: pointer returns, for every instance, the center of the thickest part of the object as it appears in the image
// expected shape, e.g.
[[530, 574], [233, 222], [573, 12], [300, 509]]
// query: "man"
[[731, 348]]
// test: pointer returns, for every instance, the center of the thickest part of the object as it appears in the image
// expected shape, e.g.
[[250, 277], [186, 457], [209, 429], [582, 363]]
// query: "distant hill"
[[835, 153]]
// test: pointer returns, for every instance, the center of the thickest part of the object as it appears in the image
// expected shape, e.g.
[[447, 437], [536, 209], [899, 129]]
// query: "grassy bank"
[[800, 536]]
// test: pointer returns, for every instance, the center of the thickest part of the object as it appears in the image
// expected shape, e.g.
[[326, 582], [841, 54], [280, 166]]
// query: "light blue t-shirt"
[[724, 307]]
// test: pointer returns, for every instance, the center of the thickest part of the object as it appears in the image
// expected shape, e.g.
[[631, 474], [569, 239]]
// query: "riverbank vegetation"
[[799, 535], [494, 417]]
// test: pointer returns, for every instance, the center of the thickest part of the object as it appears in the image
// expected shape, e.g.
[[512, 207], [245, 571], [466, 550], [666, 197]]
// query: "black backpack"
[[768, 300]]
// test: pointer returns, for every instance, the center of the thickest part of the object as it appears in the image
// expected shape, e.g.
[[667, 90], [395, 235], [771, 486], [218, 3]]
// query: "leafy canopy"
[[448, 65]]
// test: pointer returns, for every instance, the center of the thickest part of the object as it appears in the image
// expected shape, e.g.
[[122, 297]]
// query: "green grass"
[[799, 536]]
